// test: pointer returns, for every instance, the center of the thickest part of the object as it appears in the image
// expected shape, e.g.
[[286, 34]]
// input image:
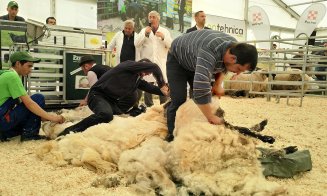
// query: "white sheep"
[[213, 160], [73, 116], [296, 77], [203, 158], [234, 88]]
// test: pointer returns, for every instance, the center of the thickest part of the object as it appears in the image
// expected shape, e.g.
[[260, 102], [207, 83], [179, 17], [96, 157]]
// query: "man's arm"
[[139, 39], [149, 88], [113, 42], [207, 112], [217, 88], [37, 110], [92, 78]]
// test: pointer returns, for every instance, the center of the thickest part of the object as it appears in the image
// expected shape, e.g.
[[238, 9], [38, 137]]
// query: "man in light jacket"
[[153, 43], [123, 42]]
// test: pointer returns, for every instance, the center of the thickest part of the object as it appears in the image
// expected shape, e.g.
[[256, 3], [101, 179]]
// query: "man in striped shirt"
[[193, 58]]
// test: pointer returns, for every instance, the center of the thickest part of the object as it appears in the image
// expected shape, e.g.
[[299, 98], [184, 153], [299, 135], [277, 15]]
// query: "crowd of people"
[[149, 61]]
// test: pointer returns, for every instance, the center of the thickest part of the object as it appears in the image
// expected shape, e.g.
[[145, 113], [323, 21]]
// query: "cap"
[[12, 4], [85, 59], [23, 56]]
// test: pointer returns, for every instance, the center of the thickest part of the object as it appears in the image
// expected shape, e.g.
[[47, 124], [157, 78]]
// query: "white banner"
[[260, 25], [308, 21], [233, 27]]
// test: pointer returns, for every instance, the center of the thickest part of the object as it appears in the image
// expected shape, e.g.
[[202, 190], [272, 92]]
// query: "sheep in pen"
[[203, 159], [258, 82]]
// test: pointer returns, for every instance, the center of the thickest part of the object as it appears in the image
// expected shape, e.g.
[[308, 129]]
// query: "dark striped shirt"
[[202, 52]]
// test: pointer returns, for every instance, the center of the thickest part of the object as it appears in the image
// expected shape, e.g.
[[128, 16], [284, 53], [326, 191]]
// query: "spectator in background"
[[274, 46], [181, 12], [20, 114], [123, 43], [93, 72], [200, 20], [153, 43], [12, 9], [298, 57], [170, 14], [51, 21], [122, 9], [322, 69]]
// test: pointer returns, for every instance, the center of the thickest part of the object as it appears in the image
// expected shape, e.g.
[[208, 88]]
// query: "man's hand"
[[58, 119], [160, 34], [82, 103], [218, 90], [215, 120], [147, 31], [165, 90]]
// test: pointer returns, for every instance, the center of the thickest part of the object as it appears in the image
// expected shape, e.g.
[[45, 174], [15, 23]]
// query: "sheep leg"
[[248, 132], [259, 127], [245, 131]]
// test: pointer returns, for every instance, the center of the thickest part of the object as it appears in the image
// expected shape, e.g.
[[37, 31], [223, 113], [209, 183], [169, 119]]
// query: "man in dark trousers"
[[200, 20], [21, 114], [116, 92], [194, 58], [92, 70]]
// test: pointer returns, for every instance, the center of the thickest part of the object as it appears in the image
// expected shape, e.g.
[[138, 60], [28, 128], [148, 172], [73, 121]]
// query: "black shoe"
[[25, 138], [3, 137], [169, 137]]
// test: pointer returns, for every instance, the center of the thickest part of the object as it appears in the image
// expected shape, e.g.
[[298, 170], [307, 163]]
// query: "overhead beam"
[[287, 8], [304, 3]]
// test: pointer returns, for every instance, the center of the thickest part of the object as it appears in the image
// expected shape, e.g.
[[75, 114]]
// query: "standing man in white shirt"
[[123, 41], [153, 43]]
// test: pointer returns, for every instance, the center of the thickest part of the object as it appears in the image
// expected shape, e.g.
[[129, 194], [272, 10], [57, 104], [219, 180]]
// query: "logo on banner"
[[312, 16], [256, 18], [260, 25], [308, 21], [76, 58]]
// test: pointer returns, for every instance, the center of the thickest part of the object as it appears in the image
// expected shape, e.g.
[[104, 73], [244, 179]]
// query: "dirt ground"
[[22, 173]]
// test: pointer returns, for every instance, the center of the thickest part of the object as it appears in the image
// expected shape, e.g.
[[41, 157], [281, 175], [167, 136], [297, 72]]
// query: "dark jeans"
[[104, 110], [178, 77], [19, 120]]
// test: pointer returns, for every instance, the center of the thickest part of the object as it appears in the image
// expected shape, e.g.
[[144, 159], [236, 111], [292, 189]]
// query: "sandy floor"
[[23, 174]]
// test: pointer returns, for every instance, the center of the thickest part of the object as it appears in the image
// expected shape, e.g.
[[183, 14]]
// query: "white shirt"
[[117, 42], [92, 77], [155, 49]]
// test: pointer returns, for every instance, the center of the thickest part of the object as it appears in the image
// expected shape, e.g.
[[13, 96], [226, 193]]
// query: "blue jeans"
[[16, 119]]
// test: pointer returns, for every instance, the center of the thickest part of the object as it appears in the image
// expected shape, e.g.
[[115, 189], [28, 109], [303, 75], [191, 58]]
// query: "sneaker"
[[32, 137]]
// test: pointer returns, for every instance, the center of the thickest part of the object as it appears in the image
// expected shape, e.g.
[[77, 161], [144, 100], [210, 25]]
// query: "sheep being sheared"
[[204, 158], [99, 147], [142, 168], [52, 129], [213, 160]]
